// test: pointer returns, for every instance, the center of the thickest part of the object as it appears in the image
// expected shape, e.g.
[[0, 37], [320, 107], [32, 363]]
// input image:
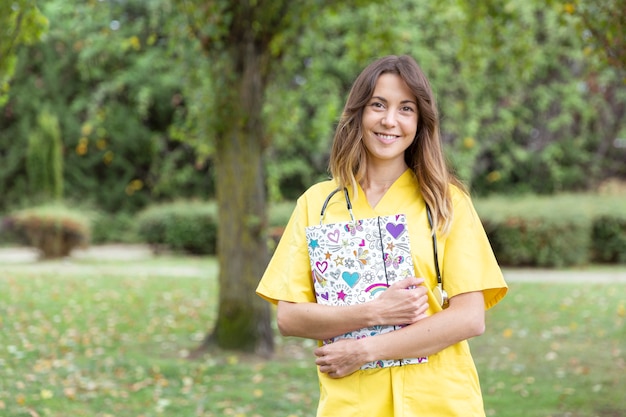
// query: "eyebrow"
[[385, 100]]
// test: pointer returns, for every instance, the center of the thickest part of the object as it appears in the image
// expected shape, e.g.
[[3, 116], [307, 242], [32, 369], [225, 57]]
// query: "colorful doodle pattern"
[[353, 263]]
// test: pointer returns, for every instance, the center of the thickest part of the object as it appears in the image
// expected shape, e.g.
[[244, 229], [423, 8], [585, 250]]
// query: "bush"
[[53, 229], [608, 238], [182, 226], [540, 242], [114, 228], [556, 231]]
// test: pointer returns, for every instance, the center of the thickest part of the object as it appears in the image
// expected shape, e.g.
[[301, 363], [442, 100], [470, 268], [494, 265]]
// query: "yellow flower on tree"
[[86, 129], [107, 158], [133, 186], [494, 176], [83, 146], [101, 144], [469, 142]]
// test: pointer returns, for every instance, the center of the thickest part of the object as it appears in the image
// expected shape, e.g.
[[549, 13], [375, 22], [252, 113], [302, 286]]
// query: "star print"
[[314, 244], [339, 260], [390, 246], [341, 295], [328, 255]]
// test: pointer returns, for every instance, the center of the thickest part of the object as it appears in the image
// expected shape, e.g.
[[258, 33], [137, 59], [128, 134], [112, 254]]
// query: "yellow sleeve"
[[288, 274], [468, 262]]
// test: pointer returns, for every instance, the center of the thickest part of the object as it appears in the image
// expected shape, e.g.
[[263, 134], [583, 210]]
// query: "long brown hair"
[[424, 156]]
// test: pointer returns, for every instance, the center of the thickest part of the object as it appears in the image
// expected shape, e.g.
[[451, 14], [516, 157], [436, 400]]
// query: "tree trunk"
[[236, 37], [244, 320]]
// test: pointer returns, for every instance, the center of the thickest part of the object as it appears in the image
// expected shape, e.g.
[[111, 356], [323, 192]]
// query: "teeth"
[[389, 137]]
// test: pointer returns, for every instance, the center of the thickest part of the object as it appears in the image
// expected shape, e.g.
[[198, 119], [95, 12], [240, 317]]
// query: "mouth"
[[386, 137]]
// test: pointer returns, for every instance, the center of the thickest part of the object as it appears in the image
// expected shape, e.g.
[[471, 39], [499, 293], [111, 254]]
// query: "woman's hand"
[[404, 302], [340, 358]]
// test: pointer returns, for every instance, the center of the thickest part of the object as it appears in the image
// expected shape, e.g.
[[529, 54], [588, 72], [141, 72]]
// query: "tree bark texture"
[[238, 46], [244, 320]]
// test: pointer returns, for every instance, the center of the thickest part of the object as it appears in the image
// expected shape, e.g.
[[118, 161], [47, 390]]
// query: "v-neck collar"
[[387, 203]]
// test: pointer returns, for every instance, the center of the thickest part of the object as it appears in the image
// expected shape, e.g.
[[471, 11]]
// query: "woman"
[[387, 154]]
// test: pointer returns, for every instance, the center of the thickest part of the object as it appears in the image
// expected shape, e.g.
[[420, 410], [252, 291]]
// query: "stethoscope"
[[438, 292]]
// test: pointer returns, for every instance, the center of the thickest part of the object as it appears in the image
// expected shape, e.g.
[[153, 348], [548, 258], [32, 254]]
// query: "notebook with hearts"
[[354, 262]]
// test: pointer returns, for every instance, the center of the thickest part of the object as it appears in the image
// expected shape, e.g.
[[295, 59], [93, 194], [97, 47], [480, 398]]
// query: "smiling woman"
[[398, 342]]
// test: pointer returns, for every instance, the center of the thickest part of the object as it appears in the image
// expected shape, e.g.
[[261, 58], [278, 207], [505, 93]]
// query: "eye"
[[407, 109], [377, 105]]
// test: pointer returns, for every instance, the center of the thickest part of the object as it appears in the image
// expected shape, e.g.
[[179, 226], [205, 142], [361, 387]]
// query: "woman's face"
[[389, 120]]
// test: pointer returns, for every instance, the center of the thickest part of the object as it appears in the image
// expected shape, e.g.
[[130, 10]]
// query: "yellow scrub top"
[[447, 385]]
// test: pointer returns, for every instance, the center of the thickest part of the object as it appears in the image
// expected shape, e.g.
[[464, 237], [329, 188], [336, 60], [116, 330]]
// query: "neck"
[[378, 180], [381, 178]]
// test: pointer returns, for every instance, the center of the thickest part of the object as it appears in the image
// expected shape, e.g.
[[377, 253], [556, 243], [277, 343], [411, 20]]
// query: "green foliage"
[[608, 237], [306, 98], [531, 126], [114, 228], [44, 159], [112, 85], [529, 98], [524, 107], [540, 242], [557, 231], [182, 226], [602, 25], [21, 23], [54, 229]]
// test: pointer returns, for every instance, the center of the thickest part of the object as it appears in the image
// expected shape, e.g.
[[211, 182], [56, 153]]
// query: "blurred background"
[[532, 96], [159, 123]]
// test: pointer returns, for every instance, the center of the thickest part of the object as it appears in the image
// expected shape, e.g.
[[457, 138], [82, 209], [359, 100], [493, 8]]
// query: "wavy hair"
[[424, 156]]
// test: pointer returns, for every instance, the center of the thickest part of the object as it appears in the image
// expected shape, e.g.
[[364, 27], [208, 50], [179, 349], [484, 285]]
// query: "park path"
[[98, 260], [13, 256], [604, 275]]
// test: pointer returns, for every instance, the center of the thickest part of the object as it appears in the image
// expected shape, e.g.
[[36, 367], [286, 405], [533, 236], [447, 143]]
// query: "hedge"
[[183, 226], [191, 226], [54, 229], [552, 231], [556, 231], [537, 242], [608, 238], [534, 231], [114, 228]]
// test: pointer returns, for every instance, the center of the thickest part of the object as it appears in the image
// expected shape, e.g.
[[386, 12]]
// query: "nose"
[[388, 119]]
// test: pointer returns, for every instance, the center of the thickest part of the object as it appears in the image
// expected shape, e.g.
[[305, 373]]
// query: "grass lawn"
[[108, 339]]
